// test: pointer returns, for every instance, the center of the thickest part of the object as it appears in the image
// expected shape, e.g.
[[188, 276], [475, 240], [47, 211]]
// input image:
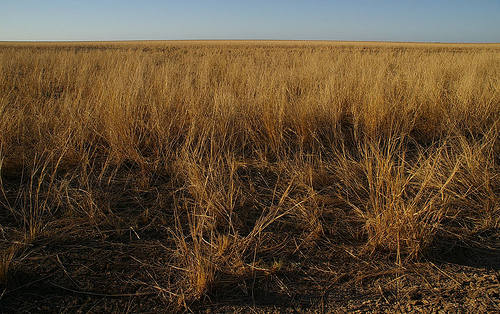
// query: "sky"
[[387, 20]]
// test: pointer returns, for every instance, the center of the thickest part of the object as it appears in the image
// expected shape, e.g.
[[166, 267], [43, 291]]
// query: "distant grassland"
[[230, 146]]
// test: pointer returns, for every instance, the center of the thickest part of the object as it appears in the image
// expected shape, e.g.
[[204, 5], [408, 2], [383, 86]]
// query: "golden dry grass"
[[393, 144]]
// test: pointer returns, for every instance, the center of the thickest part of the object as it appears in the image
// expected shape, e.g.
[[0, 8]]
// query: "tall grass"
[[249, 138]]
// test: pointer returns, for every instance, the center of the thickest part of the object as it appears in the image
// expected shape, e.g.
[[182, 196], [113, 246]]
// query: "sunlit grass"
[[248, 136]]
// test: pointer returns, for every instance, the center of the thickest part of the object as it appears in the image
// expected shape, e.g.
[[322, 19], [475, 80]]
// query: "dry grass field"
[[240, 176]]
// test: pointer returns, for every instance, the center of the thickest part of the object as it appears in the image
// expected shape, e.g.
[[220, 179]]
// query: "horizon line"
[[214, 40]]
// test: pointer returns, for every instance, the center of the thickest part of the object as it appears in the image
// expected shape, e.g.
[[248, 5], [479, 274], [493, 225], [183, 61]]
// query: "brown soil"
[[125, 273]]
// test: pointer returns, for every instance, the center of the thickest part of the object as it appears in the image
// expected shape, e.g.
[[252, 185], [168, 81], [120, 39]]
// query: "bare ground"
[[96, 270]]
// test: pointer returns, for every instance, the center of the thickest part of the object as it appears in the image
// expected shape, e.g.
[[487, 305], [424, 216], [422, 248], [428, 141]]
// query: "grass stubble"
[[241, 153]]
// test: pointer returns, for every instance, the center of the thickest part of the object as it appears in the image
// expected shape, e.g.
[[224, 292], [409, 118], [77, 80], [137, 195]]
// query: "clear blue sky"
[[395, 20]]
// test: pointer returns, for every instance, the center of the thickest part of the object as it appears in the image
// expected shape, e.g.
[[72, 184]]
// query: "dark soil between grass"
[[74, 274]]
